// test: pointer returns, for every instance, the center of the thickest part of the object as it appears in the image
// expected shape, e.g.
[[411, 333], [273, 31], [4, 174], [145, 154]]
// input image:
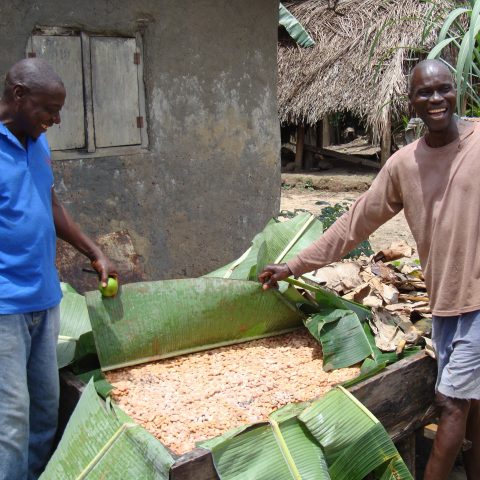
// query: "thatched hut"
[[364, 50]]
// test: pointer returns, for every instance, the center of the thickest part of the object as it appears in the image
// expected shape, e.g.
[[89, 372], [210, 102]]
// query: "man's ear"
[[19, 92]]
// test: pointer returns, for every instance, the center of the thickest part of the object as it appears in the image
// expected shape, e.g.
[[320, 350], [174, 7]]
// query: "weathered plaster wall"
[[211, 177]]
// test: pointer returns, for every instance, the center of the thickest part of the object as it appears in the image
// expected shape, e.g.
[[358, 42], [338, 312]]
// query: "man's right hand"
[[272, 274]]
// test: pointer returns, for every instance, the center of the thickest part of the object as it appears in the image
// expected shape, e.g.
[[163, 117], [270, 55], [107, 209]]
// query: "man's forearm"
[[69, 231]]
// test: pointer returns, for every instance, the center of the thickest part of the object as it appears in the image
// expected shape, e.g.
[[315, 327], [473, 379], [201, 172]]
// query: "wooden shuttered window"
[[105, 99]]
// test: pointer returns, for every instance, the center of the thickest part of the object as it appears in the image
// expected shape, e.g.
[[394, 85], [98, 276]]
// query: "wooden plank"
[[430, 431], [406, 448], [65, 55], [194, 465], [115, 91], [401, 396], [299, 149], [98, 153], [342, 156], [71, 390]]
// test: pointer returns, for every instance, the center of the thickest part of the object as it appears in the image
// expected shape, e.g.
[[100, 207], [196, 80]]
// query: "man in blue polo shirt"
[[31, 217]]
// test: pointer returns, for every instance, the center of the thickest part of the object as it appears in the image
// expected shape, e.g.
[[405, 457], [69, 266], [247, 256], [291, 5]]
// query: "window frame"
[[90, 150]]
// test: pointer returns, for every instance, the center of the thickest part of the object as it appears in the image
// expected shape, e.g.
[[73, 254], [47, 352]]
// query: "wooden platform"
[[401, 397]]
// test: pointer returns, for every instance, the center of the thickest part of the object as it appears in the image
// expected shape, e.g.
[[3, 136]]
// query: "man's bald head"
[[34, 73], [33, 98], [433, 98], [427, 67]]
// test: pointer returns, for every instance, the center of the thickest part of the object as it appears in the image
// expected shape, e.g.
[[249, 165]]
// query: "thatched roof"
[[340, 73]]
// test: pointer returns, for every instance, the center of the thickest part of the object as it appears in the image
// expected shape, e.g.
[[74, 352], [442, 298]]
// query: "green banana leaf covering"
[[353, 440], [74, 322], [294, 28], [380, 358], [101, 442], [334, 438], [102, 387], [153, 320], [342, 336], [326, 299], [278, 242], [282, 449]]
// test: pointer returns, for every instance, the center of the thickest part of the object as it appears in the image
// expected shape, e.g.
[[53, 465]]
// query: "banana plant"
[[459, 39]]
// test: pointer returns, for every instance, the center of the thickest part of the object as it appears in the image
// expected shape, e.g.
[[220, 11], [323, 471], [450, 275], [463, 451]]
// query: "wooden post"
[[319, 128], [406, 449], [386, 141], [327, 133], [299, 149]]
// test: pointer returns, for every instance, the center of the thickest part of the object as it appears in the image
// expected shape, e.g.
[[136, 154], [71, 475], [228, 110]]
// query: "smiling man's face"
[[433, 96], [39, 110]]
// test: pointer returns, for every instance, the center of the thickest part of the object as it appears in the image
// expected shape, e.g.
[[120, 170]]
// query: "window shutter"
[[115, 91], [64, 53]]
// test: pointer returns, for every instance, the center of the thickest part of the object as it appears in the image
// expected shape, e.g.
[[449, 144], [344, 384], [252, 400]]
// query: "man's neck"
[[8, 120], [436, 139]]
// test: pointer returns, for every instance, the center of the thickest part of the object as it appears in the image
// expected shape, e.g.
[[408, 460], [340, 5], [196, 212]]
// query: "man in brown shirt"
[[435, 181]]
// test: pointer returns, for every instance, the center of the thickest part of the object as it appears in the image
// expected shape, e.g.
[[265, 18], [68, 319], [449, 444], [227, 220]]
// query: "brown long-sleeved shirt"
[[439, 189]]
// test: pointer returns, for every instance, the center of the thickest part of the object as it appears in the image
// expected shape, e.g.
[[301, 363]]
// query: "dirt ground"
[[304, 191]]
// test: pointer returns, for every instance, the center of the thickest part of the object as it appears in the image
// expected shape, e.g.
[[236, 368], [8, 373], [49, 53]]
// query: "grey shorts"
[[457, 346]]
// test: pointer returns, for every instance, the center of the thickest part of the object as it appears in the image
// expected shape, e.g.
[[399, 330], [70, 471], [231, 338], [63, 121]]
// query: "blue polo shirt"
[[28, 277]]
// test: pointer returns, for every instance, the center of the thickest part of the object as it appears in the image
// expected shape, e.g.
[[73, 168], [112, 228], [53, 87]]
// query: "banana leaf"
[[282, 449], [394, 470], [153, 320], [382, 358], [241, 268], [294, 28], [74, 322], [334, 438], [343, 339], [279, 241], [101, 441], [326, 299], [459, 33], [102, 387], [286, 240], [353, 440]]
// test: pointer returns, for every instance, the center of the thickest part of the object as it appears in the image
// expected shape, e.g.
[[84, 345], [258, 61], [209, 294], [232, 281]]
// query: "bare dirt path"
[[304, 192]]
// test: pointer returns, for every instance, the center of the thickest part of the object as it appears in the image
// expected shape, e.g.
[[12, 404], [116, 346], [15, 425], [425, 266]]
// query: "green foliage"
[[74, 327], [459, 40], [292, 213], [308, 185], [294, 28], [342, 335], [100, 442], [334, 438], [152, 320], [329, 216]]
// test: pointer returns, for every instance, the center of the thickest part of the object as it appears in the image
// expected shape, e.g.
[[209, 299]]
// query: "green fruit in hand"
[[111, 289]]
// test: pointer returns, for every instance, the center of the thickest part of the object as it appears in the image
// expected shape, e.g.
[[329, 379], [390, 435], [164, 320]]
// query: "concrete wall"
[[211, 177]]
